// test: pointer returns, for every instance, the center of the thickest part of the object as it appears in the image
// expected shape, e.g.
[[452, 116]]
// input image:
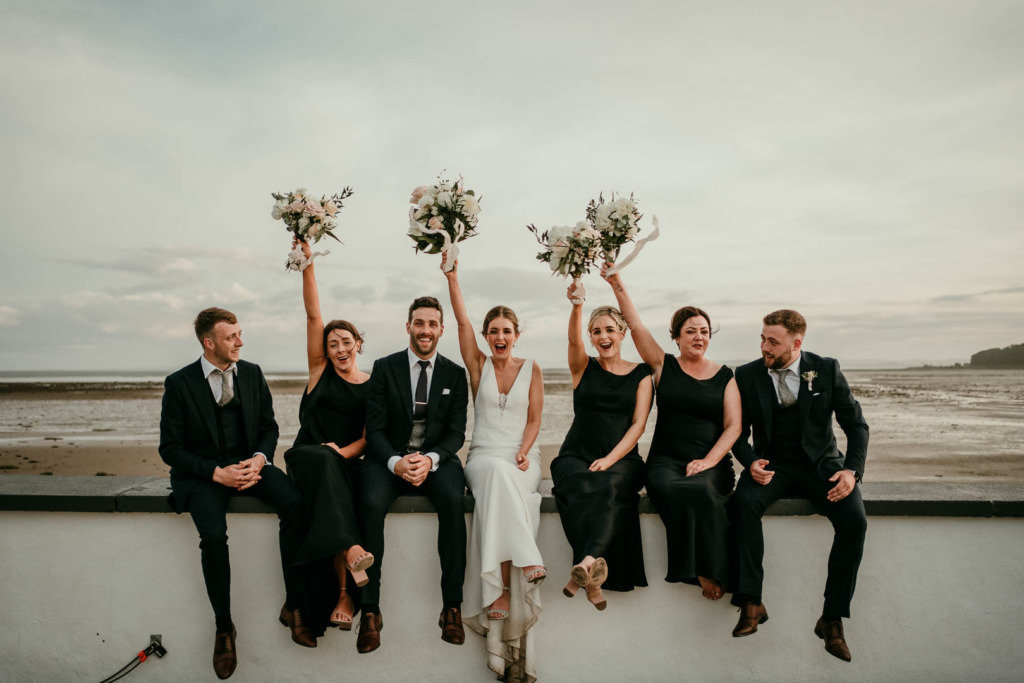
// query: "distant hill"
[[1010, 357]]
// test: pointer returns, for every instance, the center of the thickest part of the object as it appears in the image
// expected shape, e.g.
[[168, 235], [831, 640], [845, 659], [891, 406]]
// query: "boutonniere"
[[809, 378]]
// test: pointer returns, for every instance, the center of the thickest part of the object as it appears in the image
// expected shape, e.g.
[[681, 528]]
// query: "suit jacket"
[[189, 435], [389, 409], [828, 393]]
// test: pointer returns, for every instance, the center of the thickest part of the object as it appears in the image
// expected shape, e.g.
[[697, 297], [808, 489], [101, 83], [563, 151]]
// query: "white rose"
[[276, 212], [469, 205], [445, 199], [303, 222], [301, 192], [426, 200]]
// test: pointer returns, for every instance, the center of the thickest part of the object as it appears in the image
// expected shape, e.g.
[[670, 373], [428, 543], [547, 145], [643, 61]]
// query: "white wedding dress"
[[505, 522]]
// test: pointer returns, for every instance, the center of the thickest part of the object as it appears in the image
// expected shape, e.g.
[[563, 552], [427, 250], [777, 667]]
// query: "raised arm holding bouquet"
[[441, 216], [570, 252], [309, 220]]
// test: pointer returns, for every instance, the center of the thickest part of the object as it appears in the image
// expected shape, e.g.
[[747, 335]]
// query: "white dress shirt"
[[217, 384], [414, 377], [792, 379]]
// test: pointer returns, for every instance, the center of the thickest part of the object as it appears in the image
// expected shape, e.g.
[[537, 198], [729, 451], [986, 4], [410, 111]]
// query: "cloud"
[[8, 316]]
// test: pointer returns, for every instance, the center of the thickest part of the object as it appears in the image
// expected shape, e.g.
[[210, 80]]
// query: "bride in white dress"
[[504, 565]]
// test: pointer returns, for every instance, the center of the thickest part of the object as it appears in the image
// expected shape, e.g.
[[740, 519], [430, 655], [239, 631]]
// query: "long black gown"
[[690, 422], [332, 411], [599, 509]]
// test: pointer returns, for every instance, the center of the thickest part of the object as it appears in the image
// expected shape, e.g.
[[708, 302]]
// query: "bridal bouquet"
[[616, 220], [569, 251], [441, 216], [308, 219]]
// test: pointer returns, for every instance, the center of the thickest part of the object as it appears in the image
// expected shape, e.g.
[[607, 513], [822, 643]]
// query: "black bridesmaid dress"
[[332, 411], [690, 422], [599, 509]]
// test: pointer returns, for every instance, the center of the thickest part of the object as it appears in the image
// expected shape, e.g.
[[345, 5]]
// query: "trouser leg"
[[277, 490], [378, 488], [747, 506], [207, 505], [446, 489]]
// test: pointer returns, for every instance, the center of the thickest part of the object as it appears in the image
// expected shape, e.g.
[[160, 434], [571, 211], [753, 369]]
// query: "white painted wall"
[[938, 599]]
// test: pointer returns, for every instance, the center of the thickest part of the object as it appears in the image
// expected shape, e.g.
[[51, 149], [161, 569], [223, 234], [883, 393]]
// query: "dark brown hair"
[[500, 312], [342, 325], [680, 317], [208, 318], [426, 302], [793, 322]]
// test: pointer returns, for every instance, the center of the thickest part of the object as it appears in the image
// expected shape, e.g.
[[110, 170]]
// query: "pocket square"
[[445, 391], [816, 394]]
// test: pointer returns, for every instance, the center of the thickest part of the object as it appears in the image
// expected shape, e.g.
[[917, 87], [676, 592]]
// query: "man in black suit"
[[415, 424], [218, 434], [789, 397]]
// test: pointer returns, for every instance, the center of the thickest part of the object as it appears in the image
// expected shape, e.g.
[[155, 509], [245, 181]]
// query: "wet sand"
[[926, 425], [119, 458]]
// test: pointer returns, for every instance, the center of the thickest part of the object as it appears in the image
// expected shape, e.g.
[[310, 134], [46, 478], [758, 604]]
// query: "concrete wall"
[[939, 598]]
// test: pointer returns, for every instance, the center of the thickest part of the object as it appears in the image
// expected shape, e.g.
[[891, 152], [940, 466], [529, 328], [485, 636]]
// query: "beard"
[[418, 346]]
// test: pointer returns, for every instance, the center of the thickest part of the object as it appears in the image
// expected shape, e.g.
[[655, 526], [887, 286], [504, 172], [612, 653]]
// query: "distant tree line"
[[1010, 357]]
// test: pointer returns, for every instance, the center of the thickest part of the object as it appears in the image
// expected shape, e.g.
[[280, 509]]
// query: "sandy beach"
[[925, 424]]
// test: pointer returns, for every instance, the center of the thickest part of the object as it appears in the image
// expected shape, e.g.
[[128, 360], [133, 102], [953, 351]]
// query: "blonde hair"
[[613, 313]]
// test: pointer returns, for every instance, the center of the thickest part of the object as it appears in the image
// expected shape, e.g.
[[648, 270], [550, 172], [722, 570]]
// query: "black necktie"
[[419, 406]]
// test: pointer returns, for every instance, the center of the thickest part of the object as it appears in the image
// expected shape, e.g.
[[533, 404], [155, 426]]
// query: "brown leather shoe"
[[831, 631], [750, 617], [370, 624], [292, 618], [225, 658], [450, 622]]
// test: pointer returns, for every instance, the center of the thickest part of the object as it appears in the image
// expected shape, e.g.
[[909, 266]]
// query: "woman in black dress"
[[598, 472], [689, 469], [324, 460]]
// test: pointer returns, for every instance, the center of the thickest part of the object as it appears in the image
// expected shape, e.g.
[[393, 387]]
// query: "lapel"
[[803, 399], [199, 387], [403, 375], [244, 390], [436, 385], [767, 396]]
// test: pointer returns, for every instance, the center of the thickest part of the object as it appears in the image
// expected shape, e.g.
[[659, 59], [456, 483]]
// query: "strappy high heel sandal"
[[579, 577], [495, 614], [358, 568], [535, 575], [339, 617], [598, 575]]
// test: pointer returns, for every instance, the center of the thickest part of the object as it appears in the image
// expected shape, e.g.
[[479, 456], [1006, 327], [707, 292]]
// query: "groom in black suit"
[[218, 434], [415, 424], [789, 398]]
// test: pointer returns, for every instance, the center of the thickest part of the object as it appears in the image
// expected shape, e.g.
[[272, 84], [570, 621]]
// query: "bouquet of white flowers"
[[308, 219], [569, 251], [441, 216], [616, 220]]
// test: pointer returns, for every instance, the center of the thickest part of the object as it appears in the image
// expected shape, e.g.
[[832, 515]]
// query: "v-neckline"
[[494, 372]]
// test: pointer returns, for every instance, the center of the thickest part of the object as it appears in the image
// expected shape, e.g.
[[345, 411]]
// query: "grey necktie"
[[786, 397], [227, 391]]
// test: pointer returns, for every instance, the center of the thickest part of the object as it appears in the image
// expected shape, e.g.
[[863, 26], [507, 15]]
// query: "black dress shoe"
[[224, 657], [370, 624], [450, 622], [831, 631], [751, 616], [292, 618]]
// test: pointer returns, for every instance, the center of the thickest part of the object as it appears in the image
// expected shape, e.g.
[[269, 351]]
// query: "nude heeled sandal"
[[495, 614]]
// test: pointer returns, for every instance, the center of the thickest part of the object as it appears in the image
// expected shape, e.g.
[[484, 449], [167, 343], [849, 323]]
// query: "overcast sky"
[[860, 162]]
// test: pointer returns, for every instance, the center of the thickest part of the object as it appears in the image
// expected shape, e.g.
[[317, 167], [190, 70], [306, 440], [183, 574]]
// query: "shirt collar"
[[414, 359], [209, 367]]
